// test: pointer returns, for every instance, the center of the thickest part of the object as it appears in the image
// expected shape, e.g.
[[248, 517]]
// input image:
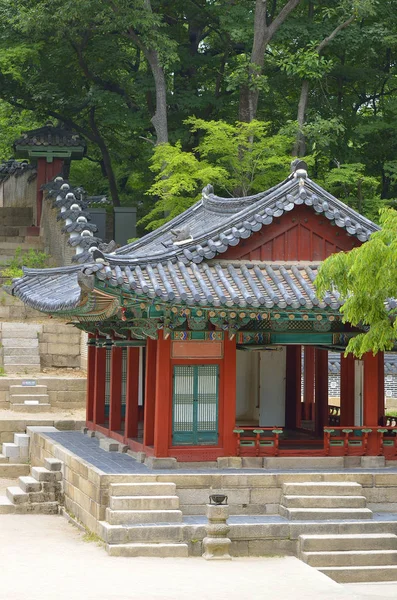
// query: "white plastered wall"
[[272, 387], [247, 393]]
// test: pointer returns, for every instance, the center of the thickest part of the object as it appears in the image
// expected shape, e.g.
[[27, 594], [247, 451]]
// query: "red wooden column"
[[347, 390], [228, 404], [91, 357], [132, 391], [373, 388], [308, 382], [162, 416], [115, 389], [150, 392], [293, 387], [321, 390], [373, 407], [100, 384]]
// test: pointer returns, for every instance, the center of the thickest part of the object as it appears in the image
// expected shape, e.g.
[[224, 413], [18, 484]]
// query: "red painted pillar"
[[162, 416], [293, 387], [91, 358], [373, 388], [373, 407], [321, 390], [347, 390], [229, 396], [150, 392], [381, 384], [132, 391], [100, 384], [308, 382], [115, 389]]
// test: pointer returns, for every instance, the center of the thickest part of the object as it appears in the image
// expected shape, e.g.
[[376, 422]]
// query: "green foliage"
[[237, 159], [366, 277], [32, 259]]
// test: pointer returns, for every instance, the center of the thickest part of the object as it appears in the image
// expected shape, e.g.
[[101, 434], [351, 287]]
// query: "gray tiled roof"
[[50, 135], [216, 223], [15, 168], [220, 283]]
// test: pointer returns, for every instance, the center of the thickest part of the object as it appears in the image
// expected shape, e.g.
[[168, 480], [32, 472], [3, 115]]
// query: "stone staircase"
[[315, 501], [21, 350], [14, 232], [29, 398], [142, 520], [354, 558], [40, 492], [16, 452]]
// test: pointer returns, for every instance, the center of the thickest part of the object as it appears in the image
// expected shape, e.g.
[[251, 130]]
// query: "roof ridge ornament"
[[182, 235], [207, 191]]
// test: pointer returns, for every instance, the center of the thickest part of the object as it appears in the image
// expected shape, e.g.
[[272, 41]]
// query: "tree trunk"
[[159, 119], [263, 33], [300, 143], [107, 161]]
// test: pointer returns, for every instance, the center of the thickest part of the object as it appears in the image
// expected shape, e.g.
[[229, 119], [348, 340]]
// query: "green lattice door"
[[195, 405]]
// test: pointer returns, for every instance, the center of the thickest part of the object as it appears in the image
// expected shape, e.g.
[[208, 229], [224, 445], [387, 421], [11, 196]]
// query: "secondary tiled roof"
[[214, 284], [213, 224], [15, 168], [50, 135]]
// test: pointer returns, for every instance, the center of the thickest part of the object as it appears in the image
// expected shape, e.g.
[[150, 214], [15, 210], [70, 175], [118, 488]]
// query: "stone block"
[[52, 464], [63, 349], [11, 450], [42, 474], [24, 452], [265, 496], [61, 360], [108, 445], [161, 463], [252, 462], [194, 496], [272, 548], [21, 439], [229, 462], [385, 479], [20, 343], [372, 462]]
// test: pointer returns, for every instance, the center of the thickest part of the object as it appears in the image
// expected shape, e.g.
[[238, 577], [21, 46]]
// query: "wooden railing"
[[354, 440], [257, 441]]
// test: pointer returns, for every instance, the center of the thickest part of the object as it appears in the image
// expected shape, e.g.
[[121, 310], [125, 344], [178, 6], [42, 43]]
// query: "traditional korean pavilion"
[[206, 338]]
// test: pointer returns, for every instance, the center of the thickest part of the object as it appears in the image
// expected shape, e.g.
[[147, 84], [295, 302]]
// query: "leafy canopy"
[[366, 277], [238, 159]]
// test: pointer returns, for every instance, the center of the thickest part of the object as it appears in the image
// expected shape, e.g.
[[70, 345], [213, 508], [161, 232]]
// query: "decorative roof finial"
[[299, 168], [181, 236]]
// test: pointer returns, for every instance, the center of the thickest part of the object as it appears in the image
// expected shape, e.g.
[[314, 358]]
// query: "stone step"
[[32, 390], [19, 343], [11, 450], [22, 352], [353, 558], [29, 484], [319, 514], [37, 508], [324, 501], [31, 408], [358, 541], [13, 471], [22, 398], [21, 360], [126, 517], [119, 534], [161, 550], [144, 502], [6, 506], [142, 489], [360, 574], [22, 369], [4, 459], [16, 495], [322, 488], [43, 474], [20, 330]]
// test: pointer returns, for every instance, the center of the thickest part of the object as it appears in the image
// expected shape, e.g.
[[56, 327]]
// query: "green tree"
[[366, 279]]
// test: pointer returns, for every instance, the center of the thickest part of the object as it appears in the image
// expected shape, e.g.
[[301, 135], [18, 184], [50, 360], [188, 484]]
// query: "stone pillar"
[[216, 544]]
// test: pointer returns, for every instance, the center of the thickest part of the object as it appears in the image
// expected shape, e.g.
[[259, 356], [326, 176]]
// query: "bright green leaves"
[[239, 159], [366, 278]]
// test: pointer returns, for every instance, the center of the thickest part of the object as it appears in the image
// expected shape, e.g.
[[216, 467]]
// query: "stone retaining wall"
[[87, 496]]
